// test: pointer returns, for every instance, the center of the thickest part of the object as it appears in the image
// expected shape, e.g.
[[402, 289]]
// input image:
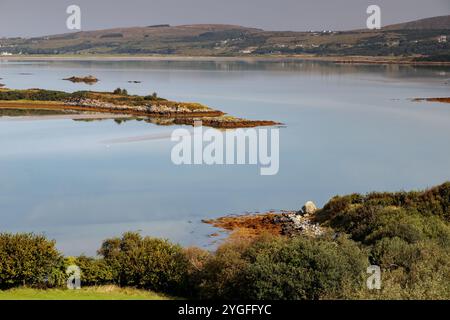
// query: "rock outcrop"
[[308, 209], [147, 109], [293, 224]]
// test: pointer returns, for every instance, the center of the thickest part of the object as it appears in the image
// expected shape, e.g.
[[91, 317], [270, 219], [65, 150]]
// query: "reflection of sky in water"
[[349, 129]]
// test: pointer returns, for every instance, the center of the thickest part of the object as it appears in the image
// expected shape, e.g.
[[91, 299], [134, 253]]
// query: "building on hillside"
[[442, 39]]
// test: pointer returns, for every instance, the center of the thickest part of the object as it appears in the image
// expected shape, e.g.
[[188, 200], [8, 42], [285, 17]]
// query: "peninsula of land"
[[120, 102]]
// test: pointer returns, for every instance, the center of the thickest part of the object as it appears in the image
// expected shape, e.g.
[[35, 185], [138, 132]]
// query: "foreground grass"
[[87, 293]]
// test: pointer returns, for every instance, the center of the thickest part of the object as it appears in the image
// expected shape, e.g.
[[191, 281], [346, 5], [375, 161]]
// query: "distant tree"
[[28, 259]]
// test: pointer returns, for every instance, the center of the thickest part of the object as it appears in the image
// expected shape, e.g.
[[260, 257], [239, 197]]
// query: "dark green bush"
[[283, 268], [29, 260], [302, 268], [146, 262]]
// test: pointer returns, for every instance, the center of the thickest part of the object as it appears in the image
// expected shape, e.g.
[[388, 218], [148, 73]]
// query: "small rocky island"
[[88, 79], [120, 102]]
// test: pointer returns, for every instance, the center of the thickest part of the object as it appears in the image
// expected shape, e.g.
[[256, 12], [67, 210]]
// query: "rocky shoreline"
[[283, 223], [142, 110]]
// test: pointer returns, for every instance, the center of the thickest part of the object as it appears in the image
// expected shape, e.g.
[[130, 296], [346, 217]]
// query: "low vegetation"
[[407, 234], [117, 96], [33, 95], [86, 293]]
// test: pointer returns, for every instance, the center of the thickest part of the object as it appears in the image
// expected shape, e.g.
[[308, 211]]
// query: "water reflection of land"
[[306, 65], [44, 114], [55, 114], [47, 114]]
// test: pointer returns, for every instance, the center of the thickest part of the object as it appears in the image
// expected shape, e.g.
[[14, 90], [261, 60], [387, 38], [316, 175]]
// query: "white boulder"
[[309, 208]]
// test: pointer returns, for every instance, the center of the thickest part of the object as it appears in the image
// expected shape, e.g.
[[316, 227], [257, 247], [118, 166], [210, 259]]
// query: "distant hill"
[[442, 22], [155, 32], [426, 37]]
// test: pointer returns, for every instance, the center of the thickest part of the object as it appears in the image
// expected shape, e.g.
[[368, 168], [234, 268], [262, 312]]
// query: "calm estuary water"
[[348, 129]]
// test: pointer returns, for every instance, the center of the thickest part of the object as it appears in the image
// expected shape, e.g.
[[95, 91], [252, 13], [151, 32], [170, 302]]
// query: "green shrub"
[[94, 272], [412, 270], [284, 268], [219, 276], [302, 268], [406, 233], [368, 223], [29, 260], [432, 202], [12, 95], [196, 259], [48, 95], [146, 262]]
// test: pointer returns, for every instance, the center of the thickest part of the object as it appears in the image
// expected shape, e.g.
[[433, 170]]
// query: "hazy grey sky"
[[42, 17]]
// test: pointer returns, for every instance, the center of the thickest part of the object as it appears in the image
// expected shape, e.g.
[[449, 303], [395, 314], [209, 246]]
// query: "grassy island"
[[120, 102]]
